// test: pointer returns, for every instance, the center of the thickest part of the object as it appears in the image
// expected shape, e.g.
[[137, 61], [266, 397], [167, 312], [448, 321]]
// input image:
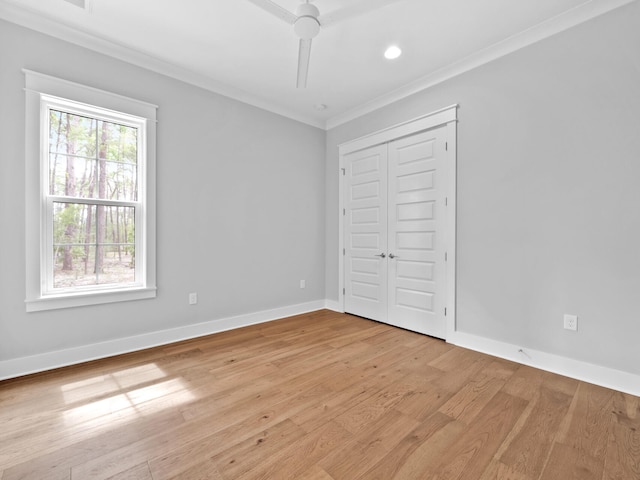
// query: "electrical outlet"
[[303, 283], [193, 298], [571, 322]]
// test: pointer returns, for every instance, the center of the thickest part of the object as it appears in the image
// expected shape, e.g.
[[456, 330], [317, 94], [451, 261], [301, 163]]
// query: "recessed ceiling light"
[[392, 52]]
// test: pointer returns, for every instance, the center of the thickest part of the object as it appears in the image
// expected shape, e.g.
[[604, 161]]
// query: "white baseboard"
[[333, 305], [603, 376], [598, 375], [61, 358]]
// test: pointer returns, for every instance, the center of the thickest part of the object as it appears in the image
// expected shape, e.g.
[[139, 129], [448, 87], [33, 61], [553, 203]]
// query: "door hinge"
[[344, 171], [445, 256], [446, 146], [343, 291], [446, 201], [445, 311], [344, 251], [344, 212]]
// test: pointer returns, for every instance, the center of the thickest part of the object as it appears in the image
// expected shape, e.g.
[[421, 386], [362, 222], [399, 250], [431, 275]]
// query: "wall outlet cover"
[[571, 322], [193, 298]]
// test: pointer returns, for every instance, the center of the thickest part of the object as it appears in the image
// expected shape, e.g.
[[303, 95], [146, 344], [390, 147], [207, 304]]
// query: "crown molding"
[[557, 24], [580, 14], [30, 19]]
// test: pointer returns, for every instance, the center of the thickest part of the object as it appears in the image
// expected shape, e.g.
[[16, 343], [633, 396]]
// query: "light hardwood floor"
[[314, 397]]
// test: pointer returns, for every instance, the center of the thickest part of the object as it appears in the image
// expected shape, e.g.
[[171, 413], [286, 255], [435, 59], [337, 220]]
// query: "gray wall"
[[548, 217], [240, 202], [548, 191]]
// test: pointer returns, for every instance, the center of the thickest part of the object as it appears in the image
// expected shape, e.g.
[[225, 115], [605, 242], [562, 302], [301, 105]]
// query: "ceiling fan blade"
[[304, 54], [77, 3], [353, 10], [275, 10]]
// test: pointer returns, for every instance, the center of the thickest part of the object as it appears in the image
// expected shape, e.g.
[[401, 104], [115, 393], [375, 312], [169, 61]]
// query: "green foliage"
[[75, 145]]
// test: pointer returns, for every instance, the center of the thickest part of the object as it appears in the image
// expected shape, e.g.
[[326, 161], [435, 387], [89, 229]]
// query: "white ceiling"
[[237, 49]]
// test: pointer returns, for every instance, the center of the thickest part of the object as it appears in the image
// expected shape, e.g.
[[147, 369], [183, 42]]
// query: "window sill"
[[55, 302]]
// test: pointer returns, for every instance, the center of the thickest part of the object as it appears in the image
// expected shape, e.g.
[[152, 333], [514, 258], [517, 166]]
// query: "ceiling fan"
[[307, 23]]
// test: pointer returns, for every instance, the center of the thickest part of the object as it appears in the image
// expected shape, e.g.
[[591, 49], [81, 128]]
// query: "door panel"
[[415, 231], [366, 281]]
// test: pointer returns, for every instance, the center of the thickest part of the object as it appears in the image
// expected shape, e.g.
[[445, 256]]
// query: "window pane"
[[76, 177], [121, 181], [72, 134], [72, 176], [118, 143], [93, 245], [91, 158]]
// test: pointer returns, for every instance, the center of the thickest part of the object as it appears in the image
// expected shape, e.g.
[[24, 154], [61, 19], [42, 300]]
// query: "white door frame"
[[445, 116]]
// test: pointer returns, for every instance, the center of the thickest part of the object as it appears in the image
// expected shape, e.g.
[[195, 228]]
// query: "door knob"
[[391, 255], [381, 255]]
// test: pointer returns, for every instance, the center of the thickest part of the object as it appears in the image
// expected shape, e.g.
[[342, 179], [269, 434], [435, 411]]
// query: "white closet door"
[[366, 275], [416, 229]]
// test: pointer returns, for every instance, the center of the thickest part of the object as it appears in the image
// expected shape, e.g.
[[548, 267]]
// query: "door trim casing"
[[443, 117]]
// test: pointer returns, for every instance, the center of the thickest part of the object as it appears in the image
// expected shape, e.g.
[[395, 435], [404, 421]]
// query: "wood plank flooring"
[[321, 396]]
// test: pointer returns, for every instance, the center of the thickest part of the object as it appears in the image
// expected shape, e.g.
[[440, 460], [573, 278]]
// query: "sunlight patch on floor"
[[103, 384], [115, 404], [130, 405]]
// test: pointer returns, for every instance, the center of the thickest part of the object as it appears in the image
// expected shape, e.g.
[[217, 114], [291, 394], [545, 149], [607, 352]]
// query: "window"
[[90, 206]]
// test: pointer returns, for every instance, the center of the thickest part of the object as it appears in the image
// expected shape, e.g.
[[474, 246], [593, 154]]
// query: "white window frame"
[[44, 93]]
